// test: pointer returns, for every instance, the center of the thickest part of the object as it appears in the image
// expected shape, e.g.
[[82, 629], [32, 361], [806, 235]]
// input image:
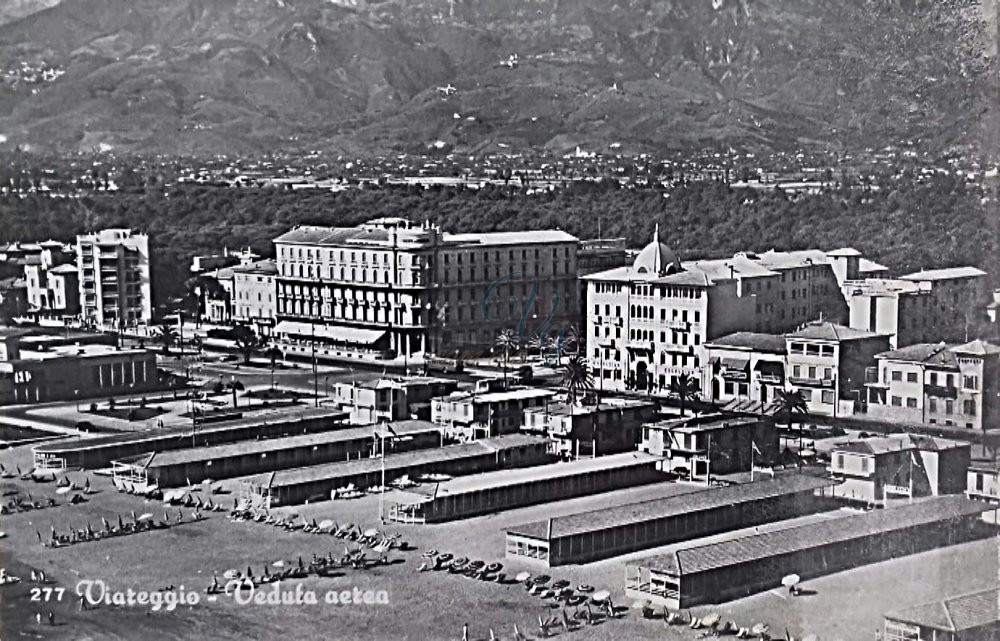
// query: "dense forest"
[[905, 225]]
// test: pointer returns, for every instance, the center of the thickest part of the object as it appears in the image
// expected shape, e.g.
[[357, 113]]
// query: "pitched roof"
[[945, 274], [929, 353], [756, 341], [672, 505], [756, 547], [904, 442], [955, 614], [978, 347], [832, 332]]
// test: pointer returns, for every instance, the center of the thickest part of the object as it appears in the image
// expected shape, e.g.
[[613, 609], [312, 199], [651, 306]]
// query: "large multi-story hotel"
[[390, 288], [646, 322], [113, 265]]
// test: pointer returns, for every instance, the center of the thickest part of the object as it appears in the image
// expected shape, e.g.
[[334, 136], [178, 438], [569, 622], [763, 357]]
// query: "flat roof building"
[[622, 529], [695, 574], [582, 429], [698, 447], [471, 415], [509, 489]]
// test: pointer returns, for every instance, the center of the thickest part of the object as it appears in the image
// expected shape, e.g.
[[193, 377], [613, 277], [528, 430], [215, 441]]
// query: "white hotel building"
[[646, 322], [388, 288]]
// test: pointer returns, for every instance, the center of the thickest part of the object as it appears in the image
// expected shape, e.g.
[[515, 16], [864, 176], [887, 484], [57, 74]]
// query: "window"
[[840, 461], [970, 382], [979, 482], [911, 402], [933, 378], [897, 401], [864, 465], [932, 404], [969, 407], [949, 406], [911, 377], [827, 397], [897, 375]]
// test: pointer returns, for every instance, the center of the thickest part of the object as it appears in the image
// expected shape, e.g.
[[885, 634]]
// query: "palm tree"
[[684, 387], [166, 335], [789, 403], [235, 386], [576, 377], [507, 341]]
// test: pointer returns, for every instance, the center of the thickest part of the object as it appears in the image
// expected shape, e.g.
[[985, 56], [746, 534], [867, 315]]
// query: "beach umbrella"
[[541, 579], [230, 574], [278, 564], [791, 580], [325, 523], [600, 597], [759, 629], [370, 532], [145, 516], [586, 589], [64, 489], [522, 577]]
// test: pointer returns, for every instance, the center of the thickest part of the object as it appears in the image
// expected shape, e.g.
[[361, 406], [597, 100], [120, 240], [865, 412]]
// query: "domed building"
[[656, 259]]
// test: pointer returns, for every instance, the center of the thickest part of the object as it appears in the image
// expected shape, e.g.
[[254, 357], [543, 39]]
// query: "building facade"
[[468, 416], [922, 307], [712, 444], [254, 291], [115, 288], [745, 369], [589, 430], [411, 289], [876, 470], [646, 323], [387, 399], [826, 363], [937, 384]]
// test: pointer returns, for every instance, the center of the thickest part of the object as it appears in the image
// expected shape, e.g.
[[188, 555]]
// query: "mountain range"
[[473, 76]]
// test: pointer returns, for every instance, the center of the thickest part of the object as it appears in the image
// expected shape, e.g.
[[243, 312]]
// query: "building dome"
[[656, 258]]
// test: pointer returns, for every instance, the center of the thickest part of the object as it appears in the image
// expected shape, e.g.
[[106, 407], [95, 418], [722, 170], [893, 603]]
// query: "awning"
[[330, 333], [737, 364], [770, 368]]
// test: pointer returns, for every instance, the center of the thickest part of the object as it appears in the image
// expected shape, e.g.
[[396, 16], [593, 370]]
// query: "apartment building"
[[646, 323], [826, 363], [936, 384], [254, 293], [921, 307], [744, 370], [391, 288], [115, 289]]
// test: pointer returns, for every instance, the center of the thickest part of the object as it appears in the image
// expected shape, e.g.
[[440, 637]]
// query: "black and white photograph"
[[500, 320]]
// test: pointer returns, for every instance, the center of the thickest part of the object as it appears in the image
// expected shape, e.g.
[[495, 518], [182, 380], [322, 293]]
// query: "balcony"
[[941, 391], [801, 381], [676, 324]]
